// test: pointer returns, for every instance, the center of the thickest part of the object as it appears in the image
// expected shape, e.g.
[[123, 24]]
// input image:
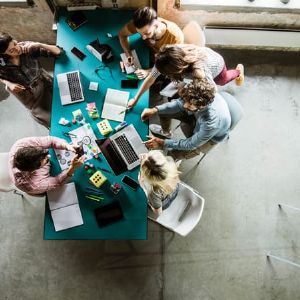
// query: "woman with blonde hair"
[[159, 178]]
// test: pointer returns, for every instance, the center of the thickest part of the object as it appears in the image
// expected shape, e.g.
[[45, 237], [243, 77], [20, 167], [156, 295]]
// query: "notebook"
[[64, 207], [115, 104], [136, 62]]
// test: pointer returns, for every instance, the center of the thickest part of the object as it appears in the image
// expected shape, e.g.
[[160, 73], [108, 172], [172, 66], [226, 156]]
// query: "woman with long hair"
[[24, 77], [159, 178]]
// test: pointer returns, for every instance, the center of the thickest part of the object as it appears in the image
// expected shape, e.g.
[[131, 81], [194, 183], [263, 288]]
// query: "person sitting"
[[29, 164], [205, 120], [185, 61], [159, 178], [156, 32], [24, 77]]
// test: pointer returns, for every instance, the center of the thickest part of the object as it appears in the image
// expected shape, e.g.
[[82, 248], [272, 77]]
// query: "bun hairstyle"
[[144, 16], [160, 171]]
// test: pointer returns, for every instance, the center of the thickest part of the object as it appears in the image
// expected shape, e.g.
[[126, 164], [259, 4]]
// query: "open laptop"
[[122, 149], [70, 88]]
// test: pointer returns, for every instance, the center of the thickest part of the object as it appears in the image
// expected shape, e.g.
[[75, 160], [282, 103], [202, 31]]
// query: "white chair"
[[183, 214], [6, 184]]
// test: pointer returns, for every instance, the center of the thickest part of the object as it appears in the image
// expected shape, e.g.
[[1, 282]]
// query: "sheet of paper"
[[136, 62], [170, 90], [67, 217], [64, 158], [85, 135], [115, 103], [63, 204], [62, 196]]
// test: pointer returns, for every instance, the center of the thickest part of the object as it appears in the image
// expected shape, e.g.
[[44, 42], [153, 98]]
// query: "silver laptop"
[[129, 145], [70, 88]]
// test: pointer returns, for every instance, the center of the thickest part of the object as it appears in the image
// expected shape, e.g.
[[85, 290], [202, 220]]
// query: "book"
[[64, 207], [115, 105]]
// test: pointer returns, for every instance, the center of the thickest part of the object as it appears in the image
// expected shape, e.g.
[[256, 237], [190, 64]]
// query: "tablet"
[[108, 214]]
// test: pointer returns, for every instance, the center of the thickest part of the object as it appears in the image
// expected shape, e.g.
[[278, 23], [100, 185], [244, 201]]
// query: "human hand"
[[15, 87], [131, 103], [148, 112], [141, 74], [77, 162], [71, 148], [27, 46], [154, 142]]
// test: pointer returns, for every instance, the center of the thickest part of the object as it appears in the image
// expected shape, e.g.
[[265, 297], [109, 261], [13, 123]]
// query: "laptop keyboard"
[[126, 149], [74, 86]]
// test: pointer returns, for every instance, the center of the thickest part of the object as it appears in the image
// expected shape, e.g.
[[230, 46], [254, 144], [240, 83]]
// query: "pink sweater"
[[38, 181]]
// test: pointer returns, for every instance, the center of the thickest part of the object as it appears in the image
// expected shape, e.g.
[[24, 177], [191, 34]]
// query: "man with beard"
[[156, 32]]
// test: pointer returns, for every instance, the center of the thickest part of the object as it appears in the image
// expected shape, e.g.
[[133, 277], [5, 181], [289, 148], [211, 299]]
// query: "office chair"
[[183, 214], [193, 34], [236, 113], [6, 184]]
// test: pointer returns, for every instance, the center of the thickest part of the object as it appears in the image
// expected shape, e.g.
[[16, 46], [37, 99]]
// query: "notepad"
[[64, 207], [136, 62], [170, 90], [115, 105]]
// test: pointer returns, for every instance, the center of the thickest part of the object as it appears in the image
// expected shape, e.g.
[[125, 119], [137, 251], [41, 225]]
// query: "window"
[[276, 6]]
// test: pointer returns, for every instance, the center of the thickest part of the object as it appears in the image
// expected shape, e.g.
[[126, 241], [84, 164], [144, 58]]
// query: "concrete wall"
[[270, 20]]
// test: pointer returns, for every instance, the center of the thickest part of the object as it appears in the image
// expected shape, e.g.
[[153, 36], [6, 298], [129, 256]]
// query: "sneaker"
[[178, 163], [240, 79], [158, 131]]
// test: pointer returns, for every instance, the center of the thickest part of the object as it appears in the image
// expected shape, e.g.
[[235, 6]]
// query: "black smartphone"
[[78, 53], [129, 84], [79, 151], [130, 182]]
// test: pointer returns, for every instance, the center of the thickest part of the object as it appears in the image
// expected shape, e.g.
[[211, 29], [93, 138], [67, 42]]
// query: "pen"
[[94, 190], [123, 111], [69, 134], [105, 170], [91, 198]]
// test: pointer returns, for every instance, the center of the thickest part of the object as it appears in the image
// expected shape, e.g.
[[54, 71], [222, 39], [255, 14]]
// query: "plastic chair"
[[183, 214], [236, 113], [6, 183]]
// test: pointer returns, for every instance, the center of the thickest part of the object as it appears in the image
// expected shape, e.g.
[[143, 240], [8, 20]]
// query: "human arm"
[[144, 87], [40, 49], [13, 87], [124, 33]]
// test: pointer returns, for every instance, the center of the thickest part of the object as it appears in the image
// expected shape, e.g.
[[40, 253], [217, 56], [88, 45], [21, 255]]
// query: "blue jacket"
[[212, 123]]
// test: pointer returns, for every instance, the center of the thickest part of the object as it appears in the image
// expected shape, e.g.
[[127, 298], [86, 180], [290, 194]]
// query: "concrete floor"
[[224, 258]]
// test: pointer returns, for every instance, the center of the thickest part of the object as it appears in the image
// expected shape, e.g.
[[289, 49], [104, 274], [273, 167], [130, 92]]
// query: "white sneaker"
[[178, 163], [157, 130]]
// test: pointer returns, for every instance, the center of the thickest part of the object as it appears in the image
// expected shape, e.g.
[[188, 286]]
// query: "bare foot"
[[240, 79]]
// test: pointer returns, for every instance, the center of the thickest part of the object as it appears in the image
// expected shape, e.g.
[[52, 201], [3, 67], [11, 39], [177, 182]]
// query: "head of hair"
[[200, 92], [29, 158], [160, 171], [5, 39], [174, 60], [144, 16]]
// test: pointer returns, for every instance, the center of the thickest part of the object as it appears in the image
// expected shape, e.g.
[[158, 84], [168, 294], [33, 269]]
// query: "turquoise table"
[[100, 22]]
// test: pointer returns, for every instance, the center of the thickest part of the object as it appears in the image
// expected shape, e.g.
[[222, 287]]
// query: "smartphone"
[[78, 53], [79, 151], [130, 182], [129, 84]]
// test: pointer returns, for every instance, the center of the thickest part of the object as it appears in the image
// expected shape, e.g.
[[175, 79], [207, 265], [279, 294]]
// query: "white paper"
[[64, 158], [67, 217], [136, 62], [80, 137], [64, 207], [115, 103], [170, 90]]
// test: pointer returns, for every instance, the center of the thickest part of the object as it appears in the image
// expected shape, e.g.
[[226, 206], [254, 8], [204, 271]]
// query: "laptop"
[[122, 149], [70, 88]]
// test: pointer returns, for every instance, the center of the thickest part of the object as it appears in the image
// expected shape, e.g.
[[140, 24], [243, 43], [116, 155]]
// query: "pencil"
[[91, 198], [93, 190], [94, 196], [105, 170]]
